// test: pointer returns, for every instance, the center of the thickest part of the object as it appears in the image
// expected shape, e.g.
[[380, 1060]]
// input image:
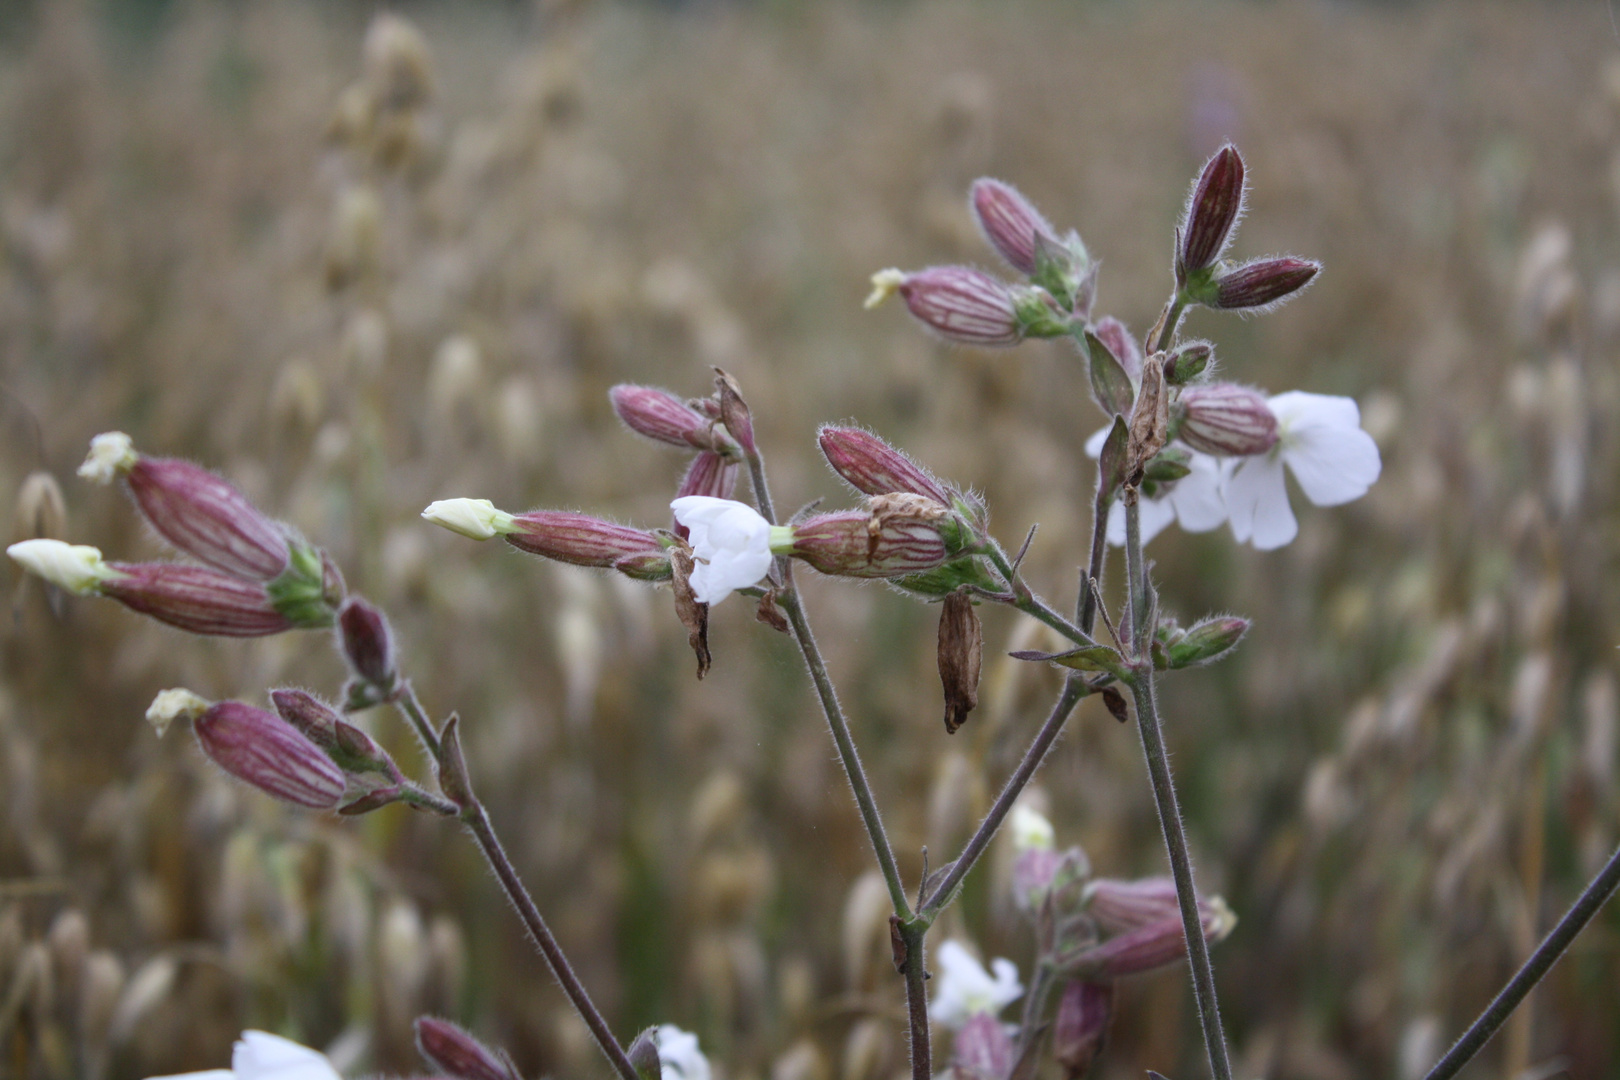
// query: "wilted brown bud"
[[894, 536], [961, 653], [367, 642], [261, 749], [451, 1048], [694, 614], [1227, 420], [734, 410], [1212, 213], [873, 467], [1263, 283], [1150, 421], [1081, 1030]]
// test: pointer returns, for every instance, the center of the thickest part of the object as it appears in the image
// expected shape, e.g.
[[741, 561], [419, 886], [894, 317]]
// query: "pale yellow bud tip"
[[1030, 830], [1223, 922], [111, 453], [476, 519], [172, 705], [76, 568], [885, 283]]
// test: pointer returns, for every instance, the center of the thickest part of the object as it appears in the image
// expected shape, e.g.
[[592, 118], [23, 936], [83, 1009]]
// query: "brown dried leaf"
[[693, 615]]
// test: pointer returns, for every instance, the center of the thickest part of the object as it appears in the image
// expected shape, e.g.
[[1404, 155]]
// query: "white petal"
[[1094, 444], [1030, 829], [1257, 500], [1333, 464], [679, 1055], [1197, 497], [259, 1055], [476, 519], [206, 1074], [1300, 407], [111, 453], [730, 543], [75, 568]]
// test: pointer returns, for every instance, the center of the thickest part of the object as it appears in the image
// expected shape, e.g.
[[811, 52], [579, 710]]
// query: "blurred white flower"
[[476, 519], [75, 568], [259, 1055], [965, 989], [730, 542], [111, 453], [679, 1056], [1030, 829], [1321, 441]]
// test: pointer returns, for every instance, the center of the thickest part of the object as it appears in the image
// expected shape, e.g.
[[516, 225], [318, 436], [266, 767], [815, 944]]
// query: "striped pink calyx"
[[1227, 420], [262, 749], [873, 467], [579, 538], [196, 599], [206, 517], [961, 304], [872, 543]]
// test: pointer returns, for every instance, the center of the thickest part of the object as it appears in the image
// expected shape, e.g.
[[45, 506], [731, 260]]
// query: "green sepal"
[[1171, 463], [302, 593], [941, 581], [1085, 658]]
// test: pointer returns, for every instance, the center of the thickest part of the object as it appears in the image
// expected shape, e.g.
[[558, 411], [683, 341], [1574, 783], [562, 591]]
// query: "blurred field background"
[[358, 284]]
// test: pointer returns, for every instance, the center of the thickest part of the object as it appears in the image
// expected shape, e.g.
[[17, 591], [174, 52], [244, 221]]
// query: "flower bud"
[[1152, 945], [1227, 420], [1081, 1028], [710, 475], [198, 600], [583, 540], [309, 714], [111, 454], [873, 467], [205, 517], [1010, 223], [367, 642], [665, 418], [1187, 362], [962, 305], [74, 568], [261, 749], [1117, 906], [453, 1049], [1263, 283], [896, 535], [1212, 213], [983, 1049], [1206, 642], [961, 654], [476, 519]]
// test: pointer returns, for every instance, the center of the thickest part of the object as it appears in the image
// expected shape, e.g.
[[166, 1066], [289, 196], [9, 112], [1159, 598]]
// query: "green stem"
[[1164, 794], [1099, 546], [1552, 947], [1029, 603], [915, 971]]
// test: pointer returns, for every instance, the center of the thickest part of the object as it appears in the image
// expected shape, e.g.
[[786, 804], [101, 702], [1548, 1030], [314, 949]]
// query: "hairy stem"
[[916, 973], [1552, 947], [1094, 567], [1029, 603], [1074, 688], [411, 706], [478, 824], [1164, 794], [794, 609]]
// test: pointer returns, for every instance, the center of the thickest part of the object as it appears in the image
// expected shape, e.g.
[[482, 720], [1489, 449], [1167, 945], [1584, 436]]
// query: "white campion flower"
[[476, 519], [74, 568], [679, 1056], [259, 1055], [111, 453], [1319, 438], [1195, 500], [731, 545], [965, 989], [1030, 829]]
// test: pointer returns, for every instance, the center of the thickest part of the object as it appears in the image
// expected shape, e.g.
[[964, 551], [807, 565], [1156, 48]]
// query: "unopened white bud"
[[111, 453], [885, 283], [172, 705], [1030, 829], [476, 519], [75, 568]]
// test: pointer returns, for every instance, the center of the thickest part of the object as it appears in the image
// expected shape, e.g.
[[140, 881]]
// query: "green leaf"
[[1110, 384], [1085, 658]]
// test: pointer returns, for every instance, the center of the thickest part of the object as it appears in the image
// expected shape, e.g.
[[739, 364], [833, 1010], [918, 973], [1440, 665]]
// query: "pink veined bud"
[[1263, 283], [208, 518], [1117, 906], [453, 1049], [1010, 222], [261, 749], [1032, 874], [961, 304], [1227, 420], [579, 538], [1212, 212], [662, 416], [367, 642], [196, 599], [309, 714], [873, 467], [867, 544], [1081, 1029], [710, 475], [1151, 946], [983, 1050], [1113, 334]]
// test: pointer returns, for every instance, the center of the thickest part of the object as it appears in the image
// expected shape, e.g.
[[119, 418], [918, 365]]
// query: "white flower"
[[1321, 441], [259, 1055], [1030, 829], [172, 705], [76, 568], [1195, 500], [965, 989], [730, 542], [111, 453], [476, 519], [679, 1056]]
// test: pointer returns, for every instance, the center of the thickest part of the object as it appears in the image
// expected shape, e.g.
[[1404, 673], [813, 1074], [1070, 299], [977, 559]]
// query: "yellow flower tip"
[[885, 283], [111, 453], [74, 568], [172, 705]]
